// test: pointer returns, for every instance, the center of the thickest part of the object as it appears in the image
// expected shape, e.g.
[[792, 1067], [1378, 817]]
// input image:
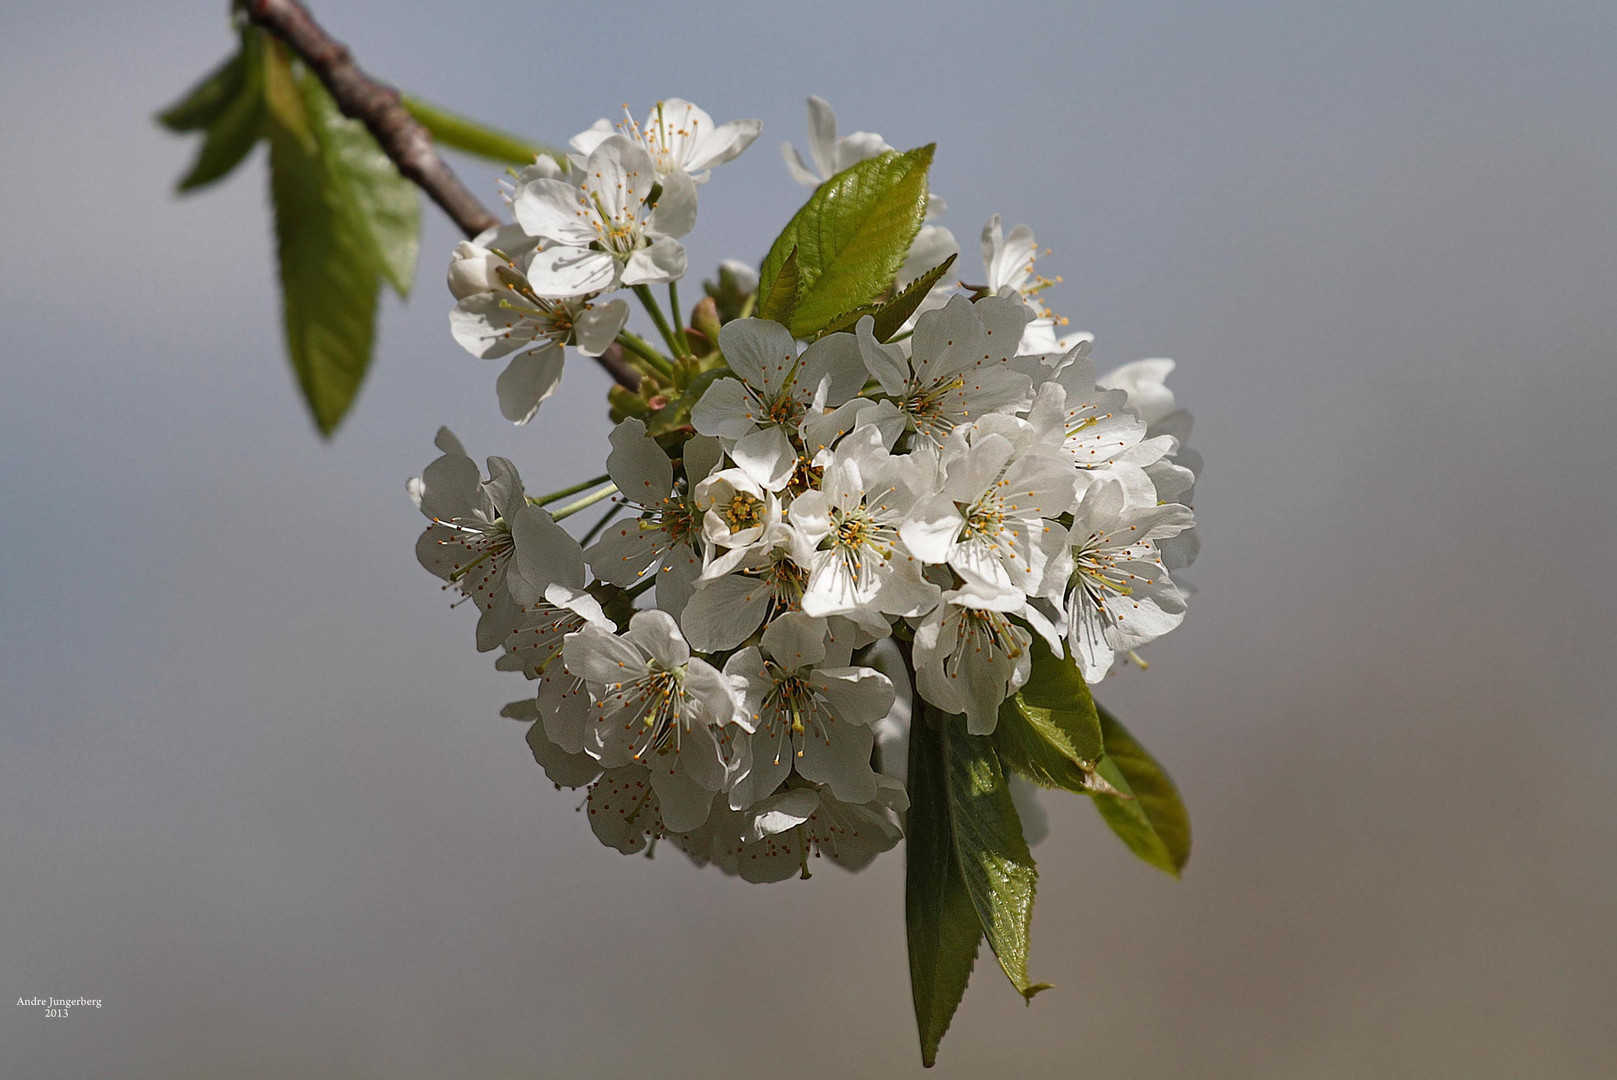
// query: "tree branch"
[[376, 105]]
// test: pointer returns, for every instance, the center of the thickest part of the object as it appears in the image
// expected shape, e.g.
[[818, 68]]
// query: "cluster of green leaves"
[[345, 220], [969, 874]]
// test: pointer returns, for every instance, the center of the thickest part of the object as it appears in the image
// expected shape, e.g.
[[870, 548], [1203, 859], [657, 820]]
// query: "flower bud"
[[472, 269]]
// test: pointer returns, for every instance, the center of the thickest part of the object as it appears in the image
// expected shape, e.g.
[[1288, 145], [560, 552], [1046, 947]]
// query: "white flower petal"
[[571, 271], [638, 466], [662, 262], [598, 325], [675, 214], [766, 456], [527, 381]]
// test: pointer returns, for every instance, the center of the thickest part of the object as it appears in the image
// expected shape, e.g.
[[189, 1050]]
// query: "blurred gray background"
[[255, 793]]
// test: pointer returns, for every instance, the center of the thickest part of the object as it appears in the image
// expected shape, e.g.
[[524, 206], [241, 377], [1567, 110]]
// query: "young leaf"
[[452, 129], [939, 919], [329, 276], [387, 204], [207, 101], [235, 124], [1154, 823], [778, 301], [994, 859], [851, 237]]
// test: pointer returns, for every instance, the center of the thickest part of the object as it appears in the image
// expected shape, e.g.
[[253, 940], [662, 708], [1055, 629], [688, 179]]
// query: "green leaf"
[[896, 311], [236, 123], [1154, 823], [851, 237], [329, 276], [386, 203], [939, 919], [452, 129], [994, 858], [780, 299], [283, 97], [889, 315], [206, 102], [1049, 731]]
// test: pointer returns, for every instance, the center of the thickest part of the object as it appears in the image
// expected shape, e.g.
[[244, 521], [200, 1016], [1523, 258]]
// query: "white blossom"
[[508, 315], [959, 365], [665, 534], [1120, 595], [757, 412], [970, 655], [811, 713], [485, 540], [993, 522], [740, 594], [780, 835], [658, 706], [859, 565], [604, 233], [679, 136]]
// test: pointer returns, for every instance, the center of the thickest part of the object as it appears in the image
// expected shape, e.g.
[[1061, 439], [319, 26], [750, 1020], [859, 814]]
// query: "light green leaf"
[[235, 126], [851, 237], [939, 919], [206, 102], [780, 299], [1154, 823], [452, 129], [329, 276], [889, 315], [388, 205], [994, 858]]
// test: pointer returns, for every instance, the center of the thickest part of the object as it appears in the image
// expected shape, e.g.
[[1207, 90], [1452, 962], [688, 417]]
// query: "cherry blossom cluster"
[[837, 525]]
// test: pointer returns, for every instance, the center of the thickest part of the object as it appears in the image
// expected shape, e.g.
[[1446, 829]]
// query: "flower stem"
[[643, 351], [587, 501], [636, 590], [649, 302], [682, 343], [540, 500]]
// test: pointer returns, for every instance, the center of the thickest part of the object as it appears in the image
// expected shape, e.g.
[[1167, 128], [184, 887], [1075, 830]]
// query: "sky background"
[[255, 793]]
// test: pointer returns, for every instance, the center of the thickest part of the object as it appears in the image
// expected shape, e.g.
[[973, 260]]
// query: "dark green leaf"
[[329, 277], [994, 859], [452, 129], [206, 102], [236, 125], [1154, 823], [779, 300], [851, 237], [386, 203], [939, 919]]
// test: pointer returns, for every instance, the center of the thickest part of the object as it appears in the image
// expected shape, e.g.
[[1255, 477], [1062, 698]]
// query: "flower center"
[[745, 511]]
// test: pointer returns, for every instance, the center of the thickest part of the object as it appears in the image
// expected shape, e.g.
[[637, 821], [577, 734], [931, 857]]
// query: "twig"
[[377, 106]]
